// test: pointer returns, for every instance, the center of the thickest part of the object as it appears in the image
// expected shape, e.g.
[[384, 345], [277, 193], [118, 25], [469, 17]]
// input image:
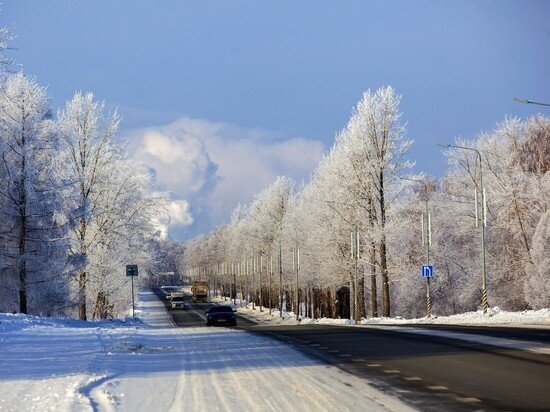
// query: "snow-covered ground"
[[496, 317], [69, 365]]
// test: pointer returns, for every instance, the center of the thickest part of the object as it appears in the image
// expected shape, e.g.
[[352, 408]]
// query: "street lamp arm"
[[527, 101], [415, 180], [461, 147]]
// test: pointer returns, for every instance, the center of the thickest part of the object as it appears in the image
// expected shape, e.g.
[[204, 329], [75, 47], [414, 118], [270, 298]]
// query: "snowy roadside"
[[531, 318], [69, 365]]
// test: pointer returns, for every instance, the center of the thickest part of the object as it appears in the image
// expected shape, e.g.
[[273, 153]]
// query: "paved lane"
[[431, 373], [193, 314], [478, 375]]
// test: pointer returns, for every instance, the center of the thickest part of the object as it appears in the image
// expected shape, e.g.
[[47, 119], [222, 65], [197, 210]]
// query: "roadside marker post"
[[132, 271]]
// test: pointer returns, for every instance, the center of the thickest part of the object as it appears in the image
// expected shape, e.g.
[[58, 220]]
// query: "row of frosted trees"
[[74, 208], [357, 226]]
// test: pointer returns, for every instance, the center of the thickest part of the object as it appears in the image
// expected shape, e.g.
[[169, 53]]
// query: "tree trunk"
[[82, 275], [22, 260], [23, 231], [373, 291], [82, 295], [22, 268], [361, 299], [287, 301], [383, 253], [373, 286]]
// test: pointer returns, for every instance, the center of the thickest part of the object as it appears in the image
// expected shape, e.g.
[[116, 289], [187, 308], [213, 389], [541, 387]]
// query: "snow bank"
[[68, 365], [495, 317]]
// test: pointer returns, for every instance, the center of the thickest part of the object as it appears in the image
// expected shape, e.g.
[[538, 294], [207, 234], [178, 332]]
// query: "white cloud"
[[213, 165], [179, 161], [179, 212], [178, 216]]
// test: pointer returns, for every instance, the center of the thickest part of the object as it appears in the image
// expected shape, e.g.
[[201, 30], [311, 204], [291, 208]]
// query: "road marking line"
[[345, 356], [438, 388], [315, 344], [391, 371], [374, 365], [334, 351], [359, 360], [413, 378], [469, 400]]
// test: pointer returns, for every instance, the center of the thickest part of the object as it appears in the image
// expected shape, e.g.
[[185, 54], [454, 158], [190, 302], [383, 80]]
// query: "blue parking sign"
[[428, 271]]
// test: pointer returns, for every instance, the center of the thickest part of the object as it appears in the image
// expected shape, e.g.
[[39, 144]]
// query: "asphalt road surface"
[[428, 372]]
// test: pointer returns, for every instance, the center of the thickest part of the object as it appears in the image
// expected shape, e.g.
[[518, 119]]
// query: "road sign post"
[[428, 273], [132, 271]]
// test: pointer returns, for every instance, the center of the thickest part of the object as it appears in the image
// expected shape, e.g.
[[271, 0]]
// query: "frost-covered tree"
[[363, 170], [5, 61], [362, 183], [30, 195], [513, 161], [111, 209], [537, 283], [378, 132]]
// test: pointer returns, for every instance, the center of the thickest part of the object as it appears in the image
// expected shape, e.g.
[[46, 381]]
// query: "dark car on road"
[[221, 315]]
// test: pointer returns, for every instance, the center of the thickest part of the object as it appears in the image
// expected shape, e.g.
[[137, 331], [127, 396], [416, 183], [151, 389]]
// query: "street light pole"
[[260, 273], [296, 269], [426, 229], [270, 276], [481, 222], [281, 279], [355, 258]]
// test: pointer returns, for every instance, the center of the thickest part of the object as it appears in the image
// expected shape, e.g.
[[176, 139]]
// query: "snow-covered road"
[[66, 365]]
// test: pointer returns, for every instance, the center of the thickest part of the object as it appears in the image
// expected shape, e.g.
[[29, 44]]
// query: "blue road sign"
[[428, 271]]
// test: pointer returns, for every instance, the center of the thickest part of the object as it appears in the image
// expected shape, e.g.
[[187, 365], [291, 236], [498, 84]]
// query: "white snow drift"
[[66, 365]]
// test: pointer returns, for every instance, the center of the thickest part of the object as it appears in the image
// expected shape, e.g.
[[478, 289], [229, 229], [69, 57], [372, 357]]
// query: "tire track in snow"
[[100, 401]]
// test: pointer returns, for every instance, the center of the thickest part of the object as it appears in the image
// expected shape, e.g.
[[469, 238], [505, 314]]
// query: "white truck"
[[176, 300]]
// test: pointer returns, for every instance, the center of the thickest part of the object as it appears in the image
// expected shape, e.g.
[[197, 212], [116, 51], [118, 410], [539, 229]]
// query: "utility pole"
[[481, 223], [426, 231], [270, 277], [234, 288], [355, 312], [296, 269], [133, 305], [253, 268], [355, 247], [426, 242], [260, 274], [281, 278], [239, 274]]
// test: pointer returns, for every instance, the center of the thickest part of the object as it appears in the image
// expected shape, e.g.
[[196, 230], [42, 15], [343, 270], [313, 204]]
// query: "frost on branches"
[[74, 208], [363, 182], [30, 200], [110, 208]]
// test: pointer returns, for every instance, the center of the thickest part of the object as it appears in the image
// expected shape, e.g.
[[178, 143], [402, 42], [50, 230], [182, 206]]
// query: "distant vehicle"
[[200, 291], [221, 315], [176, 300], [168, 290]]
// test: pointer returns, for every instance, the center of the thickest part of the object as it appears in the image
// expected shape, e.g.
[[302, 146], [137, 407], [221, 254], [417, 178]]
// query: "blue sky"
[[273, 78]]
